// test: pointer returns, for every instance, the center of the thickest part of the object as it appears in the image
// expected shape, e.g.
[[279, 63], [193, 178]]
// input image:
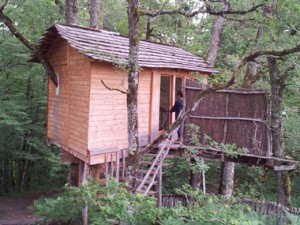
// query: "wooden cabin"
[[85, 118], [87, 112]]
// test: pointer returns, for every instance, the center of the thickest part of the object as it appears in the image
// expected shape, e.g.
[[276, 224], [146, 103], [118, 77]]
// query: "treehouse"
[[84, 117], [87, 112]]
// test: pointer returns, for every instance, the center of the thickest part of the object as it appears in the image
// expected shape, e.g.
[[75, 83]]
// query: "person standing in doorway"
[[177, 107]]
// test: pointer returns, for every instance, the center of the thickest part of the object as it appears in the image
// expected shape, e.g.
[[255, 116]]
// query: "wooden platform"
[[208, 153]]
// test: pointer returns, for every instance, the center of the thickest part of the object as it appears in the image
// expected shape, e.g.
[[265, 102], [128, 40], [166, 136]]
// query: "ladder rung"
[[153, 193], [145, 171], [150, 163], [147, 181], [154, 155]]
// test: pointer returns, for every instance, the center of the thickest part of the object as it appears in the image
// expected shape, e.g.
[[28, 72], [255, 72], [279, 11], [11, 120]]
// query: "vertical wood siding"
[[67, 124], [108, 111], [88, 120]]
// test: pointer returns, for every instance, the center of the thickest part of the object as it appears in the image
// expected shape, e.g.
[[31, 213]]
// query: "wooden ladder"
[[153, 175]]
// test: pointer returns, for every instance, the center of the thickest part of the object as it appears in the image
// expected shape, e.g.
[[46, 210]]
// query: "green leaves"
[[23, 103], [114, 203], [104, 204]]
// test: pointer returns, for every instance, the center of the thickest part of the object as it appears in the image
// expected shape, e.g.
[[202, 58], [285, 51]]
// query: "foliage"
[[209, 209], [193, 133], [23, 84], [256, 182], [26, 162], [104, 203], [293, 219], [175, 175], [114, 203]]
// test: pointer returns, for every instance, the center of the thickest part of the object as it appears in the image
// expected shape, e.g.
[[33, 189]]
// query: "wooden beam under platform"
[[209, 153]]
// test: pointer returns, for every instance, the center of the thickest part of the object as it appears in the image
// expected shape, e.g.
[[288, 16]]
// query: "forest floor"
[[15, 210]]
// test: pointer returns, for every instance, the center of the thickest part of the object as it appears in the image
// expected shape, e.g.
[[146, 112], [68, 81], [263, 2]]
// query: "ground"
[[15, 211]]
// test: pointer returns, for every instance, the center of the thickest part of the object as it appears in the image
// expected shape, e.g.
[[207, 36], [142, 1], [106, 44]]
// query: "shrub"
[[114, 203]]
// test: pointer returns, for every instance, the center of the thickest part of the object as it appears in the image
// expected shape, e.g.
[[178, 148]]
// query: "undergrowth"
[[113, 204]]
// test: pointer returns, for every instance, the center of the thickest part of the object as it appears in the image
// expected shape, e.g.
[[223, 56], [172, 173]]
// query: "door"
[[169, 86]]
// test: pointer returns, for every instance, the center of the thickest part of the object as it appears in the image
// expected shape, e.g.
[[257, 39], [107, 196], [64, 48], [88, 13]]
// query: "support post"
[[85, 215]]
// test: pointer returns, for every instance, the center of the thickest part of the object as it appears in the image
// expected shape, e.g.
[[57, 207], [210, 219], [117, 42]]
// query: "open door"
[[164, 88], [169, 86]]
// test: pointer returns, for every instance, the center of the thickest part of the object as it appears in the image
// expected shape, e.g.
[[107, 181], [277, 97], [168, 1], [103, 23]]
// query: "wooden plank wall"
[[107, 116], [67, 123], [108, 110], [85, 118], [79, 79], [57, 106], [144, 106]]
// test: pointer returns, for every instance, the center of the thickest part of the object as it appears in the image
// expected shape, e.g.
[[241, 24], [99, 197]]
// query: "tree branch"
[[216, 37], [239, 20], [32, 47], [3, 6], [61, 7], [207, 10], [13, 29], [286, 72], [113, 89]]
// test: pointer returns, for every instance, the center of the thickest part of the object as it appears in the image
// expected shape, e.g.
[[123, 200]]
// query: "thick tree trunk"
[[227, 171], [215, 41], [227, 177], [96, 14], [71, 12], [148, 28], [216, 37], [6, 176], [132, 107], [252, 75], [195, 177], [24, 169], [277, 87]]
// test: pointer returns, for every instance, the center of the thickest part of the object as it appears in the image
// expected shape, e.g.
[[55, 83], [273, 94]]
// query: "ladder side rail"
[[159, 166], [151, 168]]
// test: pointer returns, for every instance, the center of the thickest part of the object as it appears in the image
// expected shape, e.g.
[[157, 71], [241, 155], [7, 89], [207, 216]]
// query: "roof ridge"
[[113, 47], [118, 34]]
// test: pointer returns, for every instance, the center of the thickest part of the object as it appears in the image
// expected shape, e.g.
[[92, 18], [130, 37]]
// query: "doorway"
[[169, 86]]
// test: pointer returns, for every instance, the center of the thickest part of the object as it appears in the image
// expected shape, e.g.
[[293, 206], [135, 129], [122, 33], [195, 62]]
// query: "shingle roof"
[[110, 47]]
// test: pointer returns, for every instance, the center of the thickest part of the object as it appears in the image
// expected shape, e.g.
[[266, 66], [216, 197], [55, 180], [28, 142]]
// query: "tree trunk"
[[6, 176], [96, 14], [227, 177], [277, 87], [132, 107], [71, 12], [227, 171], [85, 213], [216, 37], [252, 75], [195, 178], [148, 28]]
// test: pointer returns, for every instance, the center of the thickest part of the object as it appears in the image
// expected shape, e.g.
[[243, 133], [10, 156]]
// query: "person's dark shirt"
[[178, 106]]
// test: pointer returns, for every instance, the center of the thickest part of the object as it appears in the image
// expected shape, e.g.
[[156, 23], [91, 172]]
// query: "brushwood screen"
[[231, 116]]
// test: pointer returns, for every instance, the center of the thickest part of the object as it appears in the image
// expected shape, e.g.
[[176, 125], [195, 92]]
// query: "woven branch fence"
[[232, 116], [270, 209]]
